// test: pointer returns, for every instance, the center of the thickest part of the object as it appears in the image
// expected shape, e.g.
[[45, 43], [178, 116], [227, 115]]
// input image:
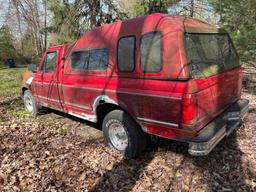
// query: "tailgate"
[[217, 94]]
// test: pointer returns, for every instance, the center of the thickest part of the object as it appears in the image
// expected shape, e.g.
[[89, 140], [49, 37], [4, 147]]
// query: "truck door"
[[46, 79]]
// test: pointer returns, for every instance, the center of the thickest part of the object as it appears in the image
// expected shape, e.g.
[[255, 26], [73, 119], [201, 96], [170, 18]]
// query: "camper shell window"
[[151, 52], [89, 60], [126, 54]]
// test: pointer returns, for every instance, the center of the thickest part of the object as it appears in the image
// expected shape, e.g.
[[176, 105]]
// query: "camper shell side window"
[[126, 54], [90, 60], [151, 52]]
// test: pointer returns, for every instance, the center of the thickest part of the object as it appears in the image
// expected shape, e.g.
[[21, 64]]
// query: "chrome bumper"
[[215, 131]]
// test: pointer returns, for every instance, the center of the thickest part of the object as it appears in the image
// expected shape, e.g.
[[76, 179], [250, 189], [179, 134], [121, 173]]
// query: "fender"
[[103, 98], [107, 100], [27, 79]]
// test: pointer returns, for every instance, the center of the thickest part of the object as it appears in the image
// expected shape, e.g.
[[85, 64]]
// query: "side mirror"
[[32, 67]]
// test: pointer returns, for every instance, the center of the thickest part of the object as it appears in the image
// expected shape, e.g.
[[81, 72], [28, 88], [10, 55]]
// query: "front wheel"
[[30, 103], [123, 134]]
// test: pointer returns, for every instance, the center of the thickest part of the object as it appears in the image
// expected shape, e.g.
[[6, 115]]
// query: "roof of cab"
[[57, 46]]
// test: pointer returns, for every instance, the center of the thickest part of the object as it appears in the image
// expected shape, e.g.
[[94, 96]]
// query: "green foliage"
[[6, 44], [72, 19], [29, 51], [64, 23], [8, 47], [152, 6], [63, 131], [239, 17]]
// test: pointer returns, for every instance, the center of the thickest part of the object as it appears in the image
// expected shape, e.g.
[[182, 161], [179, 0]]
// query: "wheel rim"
[[118, 136], [28, 103]]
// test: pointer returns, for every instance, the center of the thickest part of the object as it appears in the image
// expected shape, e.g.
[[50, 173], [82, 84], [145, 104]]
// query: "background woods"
[[29, 26]]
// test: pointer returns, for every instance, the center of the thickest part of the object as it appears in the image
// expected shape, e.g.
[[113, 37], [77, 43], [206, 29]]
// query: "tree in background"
[[6, 44], [64, 25], [200, 9], [239, 17], [71, 19], [31, 11], [29, 17], [135, 8], [36, 24]]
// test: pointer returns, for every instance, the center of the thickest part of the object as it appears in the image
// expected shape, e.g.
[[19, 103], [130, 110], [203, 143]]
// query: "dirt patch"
[[55, 152]]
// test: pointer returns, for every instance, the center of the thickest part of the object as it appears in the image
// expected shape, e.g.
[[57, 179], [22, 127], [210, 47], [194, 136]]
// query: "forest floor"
[[56, 152]]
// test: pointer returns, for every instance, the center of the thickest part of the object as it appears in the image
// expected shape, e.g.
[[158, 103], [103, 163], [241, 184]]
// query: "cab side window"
[[151, 52], [49, 64]]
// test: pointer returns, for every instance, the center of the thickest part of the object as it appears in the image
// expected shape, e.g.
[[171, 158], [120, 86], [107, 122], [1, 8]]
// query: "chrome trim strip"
[[46, 98], [77, 105], [158, 122], [43, 83], [52, 106], [109, 90], [122, 92], [91, 118]]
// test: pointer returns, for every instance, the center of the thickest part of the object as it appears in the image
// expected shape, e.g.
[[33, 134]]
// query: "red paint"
[[167, 96]]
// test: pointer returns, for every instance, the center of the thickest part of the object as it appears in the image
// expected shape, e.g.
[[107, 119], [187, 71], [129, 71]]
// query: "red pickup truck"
[[163, 75]]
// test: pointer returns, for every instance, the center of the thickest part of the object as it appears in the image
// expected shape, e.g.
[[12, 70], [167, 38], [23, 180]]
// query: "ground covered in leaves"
[[55, 152]]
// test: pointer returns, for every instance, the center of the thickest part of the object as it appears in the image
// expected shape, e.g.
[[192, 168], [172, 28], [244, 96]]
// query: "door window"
[[49, 64]]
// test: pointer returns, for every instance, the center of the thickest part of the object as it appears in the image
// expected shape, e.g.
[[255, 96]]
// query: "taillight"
[[189, 110]]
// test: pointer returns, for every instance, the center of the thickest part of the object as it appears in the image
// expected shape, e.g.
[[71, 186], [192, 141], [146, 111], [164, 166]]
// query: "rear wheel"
[[30, 103], [123, 134]]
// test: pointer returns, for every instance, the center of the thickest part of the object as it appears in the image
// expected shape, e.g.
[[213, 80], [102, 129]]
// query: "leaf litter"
[[54, 152]]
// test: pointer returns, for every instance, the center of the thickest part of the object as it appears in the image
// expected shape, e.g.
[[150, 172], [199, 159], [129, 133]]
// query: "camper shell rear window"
[[209, 54]]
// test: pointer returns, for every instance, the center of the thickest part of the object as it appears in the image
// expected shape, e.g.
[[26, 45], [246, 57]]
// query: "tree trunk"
[[192, 8]]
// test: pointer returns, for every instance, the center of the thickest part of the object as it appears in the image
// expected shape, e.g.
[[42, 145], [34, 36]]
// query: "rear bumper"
[[215, 131]]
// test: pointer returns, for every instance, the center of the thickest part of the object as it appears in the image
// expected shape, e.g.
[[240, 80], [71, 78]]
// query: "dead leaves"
[[54, 153]]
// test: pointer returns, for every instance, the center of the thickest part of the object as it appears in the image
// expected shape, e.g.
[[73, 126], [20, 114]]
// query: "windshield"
[[209, 54]]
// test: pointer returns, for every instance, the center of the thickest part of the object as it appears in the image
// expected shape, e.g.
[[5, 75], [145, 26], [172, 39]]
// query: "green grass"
[[63, 131], [9, 82], [9, 88]]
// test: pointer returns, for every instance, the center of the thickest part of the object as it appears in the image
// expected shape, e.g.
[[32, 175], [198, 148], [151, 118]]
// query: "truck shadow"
[[221, 170]]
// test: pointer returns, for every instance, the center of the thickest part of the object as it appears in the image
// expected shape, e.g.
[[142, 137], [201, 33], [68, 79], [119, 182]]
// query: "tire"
[[135, 137], [30, 103]]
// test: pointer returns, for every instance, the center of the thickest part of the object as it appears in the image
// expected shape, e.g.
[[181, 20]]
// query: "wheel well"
[[103, 109], [23, 90]]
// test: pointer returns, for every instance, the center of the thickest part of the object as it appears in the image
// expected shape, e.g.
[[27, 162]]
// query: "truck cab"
[[170, 76]]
